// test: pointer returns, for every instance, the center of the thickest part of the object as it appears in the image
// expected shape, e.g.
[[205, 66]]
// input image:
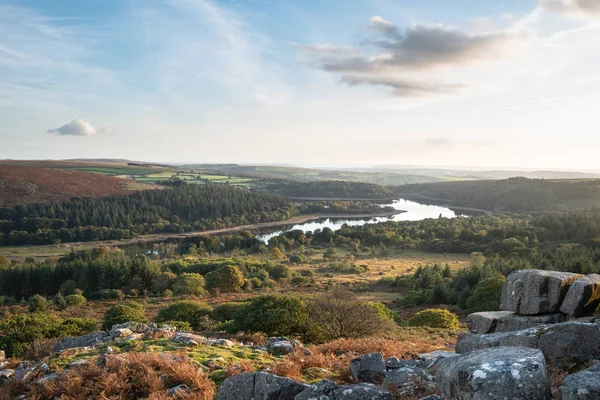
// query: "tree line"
[[178, 209]]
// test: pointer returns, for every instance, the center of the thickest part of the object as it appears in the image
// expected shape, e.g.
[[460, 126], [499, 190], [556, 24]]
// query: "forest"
[[331, 189], [512, 195], [178, 209]]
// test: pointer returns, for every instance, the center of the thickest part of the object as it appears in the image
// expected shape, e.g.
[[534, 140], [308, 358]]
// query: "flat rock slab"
[[507, 321], [562, 344], [583, 297], [259, 386], [584, 385], [532, 292], [511, 373]]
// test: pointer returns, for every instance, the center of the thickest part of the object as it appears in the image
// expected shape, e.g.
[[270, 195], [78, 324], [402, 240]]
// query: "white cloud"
[[576, 7], [79, 127], [408, 60]]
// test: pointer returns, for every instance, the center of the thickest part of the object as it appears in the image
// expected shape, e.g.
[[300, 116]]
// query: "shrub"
[[297, 259], [274, 315], [19, 331], [39, 349], [226, 311], [338, 313], [109, 294], [77, 326], [179, 325], [280, 271], [68, 287], [226, 279], [121, 313], [435, 318], [189, 311], [383, 311], [413, 298], [486, 296], [163, 282], [59, 302], [38, 303], [276, 254], [189, 283], [75, 300]]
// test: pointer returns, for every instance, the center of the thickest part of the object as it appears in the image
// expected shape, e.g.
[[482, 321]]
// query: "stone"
[[2, 355], [369, 368], [407, 381], [485, 322], [362, 391], [397, 363], [109, 350], [523, 338], [120, 333], [192, 343], [532, 292], [183, 337], [6, 374], [514, 373], [88, 340], [47, 378], [177, 390], [323, 390], [24, 371], [570, 342], [583, 297], [280, 346], [4, 364], [79, 363], [584, 385], [221, 342], [431, 397], [507, 321], [431, 359], [259, 386]]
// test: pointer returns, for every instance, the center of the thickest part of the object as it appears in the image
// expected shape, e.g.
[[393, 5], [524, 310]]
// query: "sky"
[[495, 83]]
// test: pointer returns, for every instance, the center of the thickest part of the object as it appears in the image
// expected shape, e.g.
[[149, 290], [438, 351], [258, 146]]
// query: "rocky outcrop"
[[89, 340], [327, 390], [583, 296], [259, 386], [185, 337], [584, 385], [406, 381], [514, 373], [369, 368], [532, 292], [507, 321], [280, 346]]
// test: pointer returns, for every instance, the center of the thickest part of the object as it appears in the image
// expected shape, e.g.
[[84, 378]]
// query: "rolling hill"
[[24, 184]]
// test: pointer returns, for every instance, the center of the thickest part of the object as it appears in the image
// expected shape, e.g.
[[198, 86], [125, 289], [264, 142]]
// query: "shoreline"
[[163, 237]]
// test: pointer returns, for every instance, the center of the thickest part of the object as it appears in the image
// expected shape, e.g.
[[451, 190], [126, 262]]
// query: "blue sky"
[[509, 83]]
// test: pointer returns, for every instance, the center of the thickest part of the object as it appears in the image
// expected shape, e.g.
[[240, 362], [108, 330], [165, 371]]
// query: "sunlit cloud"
[[80, 127]]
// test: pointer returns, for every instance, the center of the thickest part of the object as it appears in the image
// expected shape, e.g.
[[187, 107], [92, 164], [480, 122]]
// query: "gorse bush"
[[226, 311], [486, 296], [189, 284], [192, 312], [226, 279], [435, 318], [60, 302], [121, 313], [75, 300], [273, 315], [38, 303], [19, 331]]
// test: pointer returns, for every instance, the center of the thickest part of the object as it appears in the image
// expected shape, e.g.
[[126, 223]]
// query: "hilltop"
[[26, 184]]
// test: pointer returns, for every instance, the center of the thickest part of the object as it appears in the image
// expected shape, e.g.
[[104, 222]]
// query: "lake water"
[[414, 212]]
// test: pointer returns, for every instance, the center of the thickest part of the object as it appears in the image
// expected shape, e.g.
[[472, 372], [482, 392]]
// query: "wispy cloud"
[[80, 127], [394, 56], [574, 7]]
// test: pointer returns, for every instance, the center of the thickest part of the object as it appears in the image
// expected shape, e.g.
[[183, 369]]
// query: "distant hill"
[[23, 184], [514, 194]]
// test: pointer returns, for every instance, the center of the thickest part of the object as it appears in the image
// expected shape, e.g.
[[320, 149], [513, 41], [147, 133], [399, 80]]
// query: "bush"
[[435, 318], [59, 302], [226, 279], [75, 300], [338, 313], [68, 287], [226, 311], [273, 315], [280, 271], [108, 294], [413, 298], [189, 283], [179, 325], [121, 313], [383, 311], [189, 311], [77, 327], [297, 259], [38, 303], [486, 296], [19, 331], [163, 282]]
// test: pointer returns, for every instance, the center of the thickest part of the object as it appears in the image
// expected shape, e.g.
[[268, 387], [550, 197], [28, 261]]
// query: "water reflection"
[[414, 212]]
